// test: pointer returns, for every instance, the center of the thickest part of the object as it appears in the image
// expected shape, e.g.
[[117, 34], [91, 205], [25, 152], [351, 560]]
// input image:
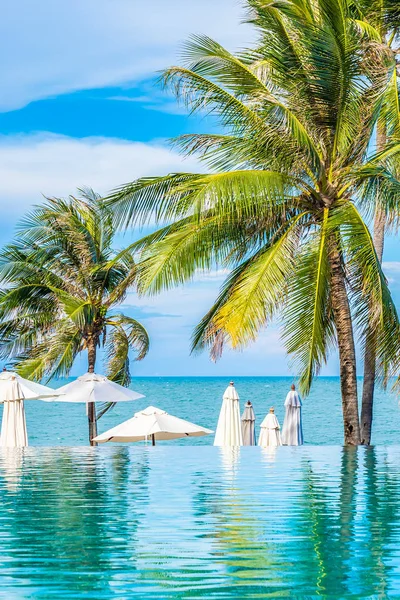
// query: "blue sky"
[[80, 106]]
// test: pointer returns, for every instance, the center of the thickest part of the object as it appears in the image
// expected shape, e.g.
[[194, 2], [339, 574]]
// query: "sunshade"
[[229, 430], [13, 425], [292, 430], [152, 423], [270, 435], [92, 387], [248, 425], [30, 389]]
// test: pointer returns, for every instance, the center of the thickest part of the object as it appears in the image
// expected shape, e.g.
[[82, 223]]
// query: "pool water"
[[199, 522]]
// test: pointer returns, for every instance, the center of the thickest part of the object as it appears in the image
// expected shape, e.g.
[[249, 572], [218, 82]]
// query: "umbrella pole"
[[91, 410], [153, 439]]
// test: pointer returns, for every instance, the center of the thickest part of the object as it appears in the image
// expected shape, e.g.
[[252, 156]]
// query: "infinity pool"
[[199, 522]]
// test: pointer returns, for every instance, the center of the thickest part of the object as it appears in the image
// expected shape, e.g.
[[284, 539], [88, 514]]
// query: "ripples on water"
[[198, 522]]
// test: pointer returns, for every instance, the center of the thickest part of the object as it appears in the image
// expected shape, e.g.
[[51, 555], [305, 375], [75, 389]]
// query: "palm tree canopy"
[[291, 182], [61, 282]]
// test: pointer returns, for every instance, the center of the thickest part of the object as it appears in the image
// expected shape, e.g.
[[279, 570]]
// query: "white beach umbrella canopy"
[[152, 423], [13, 425], [30, 389], [92, 387], [229, 430]]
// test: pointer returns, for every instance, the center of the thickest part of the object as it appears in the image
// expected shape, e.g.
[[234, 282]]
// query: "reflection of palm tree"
[[240, 544], [330, 528], [352, 540], [73, 516], [382, 507]]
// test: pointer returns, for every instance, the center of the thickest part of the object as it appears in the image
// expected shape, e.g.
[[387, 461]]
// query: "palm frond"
[[309, 327], [253, 293], [374, 310]]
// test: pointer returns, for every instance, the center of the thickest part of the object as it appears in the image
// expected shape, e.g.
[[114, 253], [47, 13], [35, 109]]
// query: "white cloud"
[[155, 101], [214, 275], [391, 266], [56, 47], [53, 165]]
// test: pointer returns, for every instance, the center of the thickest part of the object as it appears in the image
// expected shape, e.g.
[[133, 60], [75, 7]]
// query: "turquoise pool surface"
[[199, 522]]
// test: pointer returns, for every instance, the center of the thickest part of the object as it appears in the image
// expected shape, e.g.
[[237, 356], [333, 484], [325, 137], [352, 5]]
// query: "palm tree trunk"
[[347, 353], [370, 352], [91, 407]]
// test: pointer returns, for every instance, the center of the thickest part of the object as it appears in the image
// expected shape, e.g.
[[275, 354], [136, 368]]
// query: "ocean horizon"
[[198, 399]]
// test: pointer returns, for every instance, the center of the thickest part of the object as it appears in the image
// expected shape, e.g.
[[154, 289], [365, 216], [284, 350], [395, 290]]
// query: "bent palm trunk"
[[347, 354], [92, 419]]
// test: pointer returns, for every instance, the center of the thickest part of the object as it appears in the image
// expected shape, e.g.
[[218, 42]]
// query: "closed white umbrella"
[[152, 423], [248, 425], [229, 430], [92, 387], [292, 430], [13, 425], [270, 435]]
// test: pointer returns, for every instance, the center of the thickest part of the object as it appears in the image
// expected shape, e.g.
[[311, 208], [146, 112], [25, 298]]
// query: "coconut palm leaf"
[[309, 327]]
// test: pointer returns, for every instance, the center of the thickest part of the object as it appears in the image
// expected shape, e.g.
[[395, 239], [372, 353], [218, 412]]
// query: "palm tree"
[[61, 282], [290, 186], [381, 22]]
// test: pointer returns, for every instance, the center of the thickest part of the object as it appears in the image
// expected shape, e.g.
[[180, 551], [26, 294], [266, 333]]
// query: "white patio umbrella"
[[292, 430], [14, 389], [248, 425], [30, 389], [229, 430], [152, 423], [270, 435], [92, 387], [13, 425]]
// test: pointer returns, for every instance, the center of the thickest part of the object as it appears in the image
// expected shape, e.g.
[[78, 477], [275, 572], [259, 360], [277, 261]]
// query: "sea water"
[[198, 399], [199, 522]]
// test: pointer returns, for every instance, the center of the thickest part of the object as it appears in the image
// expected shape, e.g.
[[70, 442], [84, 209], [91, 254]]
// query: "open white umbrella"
[[152, 423], [90, 388], [229, 430], [13, 425], [30, 389], [95, 388]]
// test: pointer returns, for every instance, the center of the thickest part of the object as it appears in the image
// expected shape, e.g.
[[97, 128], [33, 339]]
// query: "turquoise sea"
[[198, 399], [187, 520]]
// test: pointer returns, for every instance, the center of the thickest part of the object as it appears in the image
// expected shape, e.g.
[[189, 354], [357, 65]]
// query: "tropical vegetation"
[[61, 283], [382, 20], [291, 187]]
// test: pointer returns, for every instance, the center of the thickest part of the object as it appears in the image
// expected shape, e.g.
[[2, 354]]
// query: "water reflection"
[[170, 522], [12, 464], [327, 523], [60, 528]]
